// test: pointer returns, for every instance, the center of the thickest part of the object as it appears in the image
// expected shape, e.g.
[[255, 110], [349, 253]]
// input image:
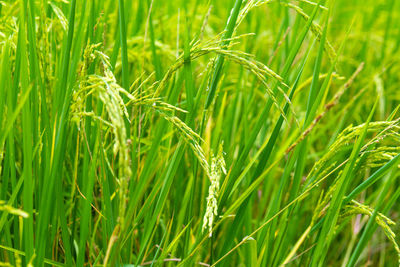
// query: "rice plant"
[[199, 133]]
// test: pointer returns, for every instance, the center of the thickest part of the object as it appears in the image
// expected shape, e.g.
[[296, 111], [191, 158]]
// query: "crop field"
[[200, 133]]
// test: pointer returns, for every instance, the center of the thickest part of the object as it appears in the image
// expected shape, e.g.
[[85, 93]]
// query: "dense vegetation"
[[199, 133]]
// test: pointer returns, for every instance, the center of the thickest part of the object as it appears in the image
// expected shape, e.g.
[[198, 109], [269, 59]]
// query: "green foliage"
[[199, 132]]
